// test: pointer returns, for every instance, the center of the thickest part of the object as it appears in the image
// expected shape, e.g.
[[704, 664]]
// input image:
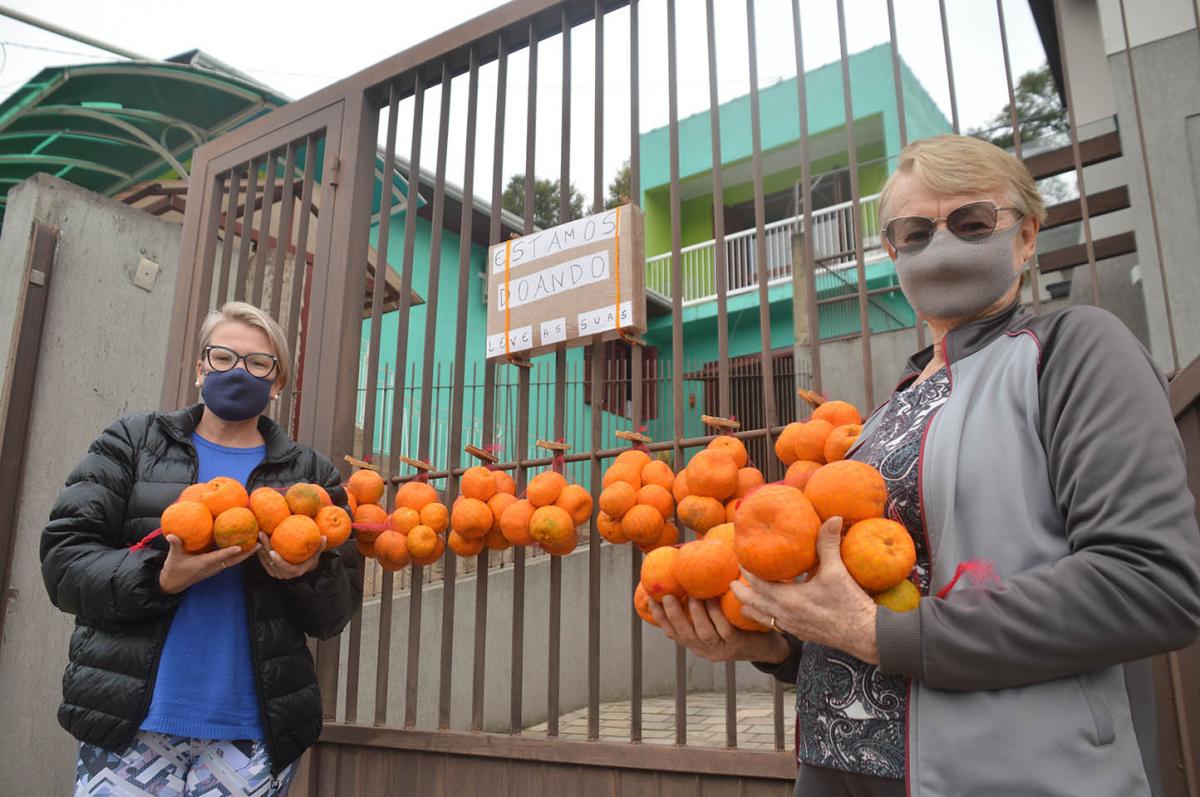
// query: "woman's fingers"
[[684, 633], [719, 621], [702, 624]]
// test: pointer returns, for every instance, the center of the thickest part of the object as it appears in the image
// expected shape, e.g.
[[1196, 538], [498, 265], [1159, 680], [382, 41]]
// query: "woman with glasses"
[[1035, 461], [190, 674]]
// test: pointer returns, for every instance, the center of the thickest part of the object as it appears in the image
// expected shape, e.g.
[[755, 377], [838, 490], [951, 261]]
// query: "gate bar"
[[229, 223], [264, 230], [243, 276], [284, 239], [299, 278], [635, 554], [810, 256]]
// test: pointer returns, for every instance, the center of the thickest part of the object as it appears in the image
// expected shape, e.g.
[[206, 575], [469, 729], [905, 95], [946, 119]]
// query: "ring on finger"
[[773, 626]]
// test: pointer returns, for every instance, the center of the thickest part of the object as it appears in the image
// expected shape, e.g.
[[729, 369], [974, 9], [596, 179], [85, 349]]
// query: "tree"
[[1040, 111], [545, 200], [618, 189], [1040, 114]]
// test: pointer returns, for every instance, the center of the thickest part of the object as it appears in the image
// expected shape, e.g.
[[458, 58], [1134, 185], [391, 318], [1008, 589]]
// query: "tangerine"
[[731, 607], [303, 499], [634, 457], [471, 518], [878, 553], [775, 535], [498, 503], [270, 508], [296, 539], [334, 525], [658, 574], [196, 492], [642, 524], [323, 495], [373, 518], [668, 536], [224, 493], [849, 489], [840, 441], [622, 472], [439, 548], [564, 547], [731, 510], [504, 482], [415, 495], [799, 472], [704, 569], [713, 474], [838, 413], [700, 513], [679, 487], [191, 522], [463, 546], [235, 528], [422, 542], [617, 499], [367, 549], [544, 488], [366, 486], [435, 516], [496, 541], [731, 446], [577, 502], [391, 549], [747, 480], [904, 597], [611, 529], [404, 519], [514, 523], [656, 496], [809, 441], [551, 527], [722, 533], [641, 603], [785, 444], [658, 472], [478, 482]]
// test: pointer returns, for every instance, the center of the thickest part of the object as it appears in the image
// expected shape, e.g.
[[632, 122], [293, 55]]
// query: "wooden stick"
[[416, 463], [812, 398], [635, 437], [480, 454], [361, 464], [720, 423], [553, 445]]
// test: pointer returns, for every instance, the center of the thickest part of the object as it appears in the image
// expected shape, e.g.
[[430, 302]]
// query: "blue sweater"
[[205, 684]]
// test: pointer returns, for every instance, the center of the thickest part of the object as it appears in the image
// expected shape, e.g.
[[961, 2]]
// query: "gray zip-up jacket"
[[1057, 461]]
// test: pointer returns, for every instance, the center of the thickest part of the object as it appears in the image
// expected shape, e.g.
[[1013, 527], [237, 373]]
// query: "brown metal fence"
[[258, 184]]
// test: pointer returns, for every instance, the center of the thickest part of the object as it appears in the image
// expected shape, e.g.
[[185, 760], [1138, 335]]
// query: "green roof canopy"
[[109, 126]]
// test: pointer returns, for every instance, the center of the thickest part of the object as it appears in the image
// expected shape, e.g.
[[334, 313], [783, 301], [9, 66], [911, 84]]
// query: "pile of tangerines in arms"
[[741, 522]]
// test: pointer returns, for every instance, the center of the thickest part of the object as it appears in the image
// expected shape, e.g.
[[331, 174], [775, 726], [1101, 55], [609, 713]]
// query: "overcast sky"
[[297, 49]]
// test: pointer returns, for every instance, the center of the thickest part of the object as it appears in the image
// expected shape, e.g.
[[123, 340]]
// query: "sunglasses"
[[974, 221]]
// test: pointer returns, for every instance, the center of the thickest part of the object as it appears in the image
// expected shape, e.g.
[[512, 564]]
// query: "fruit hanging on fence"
[[489, 514], [637, 501], [387, 537]]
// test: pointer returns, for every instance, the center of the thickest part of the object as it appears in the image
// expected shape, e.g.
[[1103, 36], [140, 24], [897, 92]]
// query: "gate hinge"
[[335, 172]]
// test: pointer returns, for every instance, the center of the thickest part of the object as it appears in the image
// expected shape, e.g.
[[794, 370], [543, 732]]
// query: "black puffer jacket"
[[112, 499]]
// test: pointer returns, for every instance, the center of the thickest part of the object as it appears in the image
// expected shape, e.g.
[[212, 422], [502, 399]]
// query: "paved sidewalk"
[[705, 721]]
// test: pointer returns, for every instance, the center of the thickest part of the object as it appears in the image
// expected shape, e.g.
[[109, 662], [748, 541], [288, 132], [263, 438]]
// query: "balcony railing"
[[833, 243]]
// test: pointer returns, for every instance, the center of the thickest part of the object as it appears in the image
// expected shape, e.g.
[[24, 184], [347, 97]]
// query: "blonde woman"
[[1042, 451], [189, 674]]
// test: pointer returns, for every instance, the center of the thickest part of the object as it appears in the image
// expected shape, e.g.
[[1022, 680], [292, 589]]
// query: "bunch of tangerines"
[[219, 513], [411, 534], [637, 502], [489, 514]]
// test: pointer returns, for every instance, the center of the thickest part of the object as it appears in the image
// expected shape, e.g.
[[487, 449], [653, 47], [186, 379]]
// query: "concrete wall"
[[102, 355], [842, 366], [658, 653]]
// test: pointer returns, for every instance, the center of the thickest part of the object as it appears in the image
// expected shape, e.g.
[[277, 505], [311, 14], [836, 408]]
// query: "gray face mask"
[[951, 278]]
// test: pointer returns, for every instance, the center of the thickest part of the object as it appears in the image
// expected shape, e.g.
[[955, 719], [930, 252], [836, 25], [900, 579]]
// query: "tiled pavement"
[[705, 720]]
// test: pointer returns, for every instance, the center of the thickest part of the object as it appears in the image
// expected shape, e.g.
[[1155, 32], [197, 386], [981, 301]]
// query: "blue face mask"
[[236, 394]]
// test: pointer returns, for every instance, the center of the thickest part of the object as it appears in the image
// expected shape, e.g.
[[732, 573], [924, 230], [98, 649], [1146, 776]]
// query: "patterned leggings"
[[158, 765]]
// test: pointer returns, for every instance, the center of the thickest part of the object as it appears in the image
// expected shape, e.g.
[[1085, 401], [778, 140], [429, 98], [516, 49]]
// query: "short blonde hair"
[[251, 316], [964, 165]]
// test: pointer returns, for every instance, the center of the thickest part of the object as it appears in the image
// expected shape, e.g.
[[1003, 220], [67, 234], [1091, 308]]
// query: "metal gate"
[[293, 212]]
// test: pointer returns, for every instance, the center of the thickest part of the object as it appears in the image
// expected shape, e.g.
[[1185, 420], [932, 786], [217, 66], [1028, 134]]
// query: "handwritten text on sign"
[[554, 280], [519, 339], [588, 230], [604, 319]]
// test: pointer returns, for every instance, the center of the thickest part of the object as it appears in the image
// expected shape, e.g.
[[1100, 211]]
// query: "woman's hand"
[[182, 569], [281, 568], [705, 631], [831, 609]]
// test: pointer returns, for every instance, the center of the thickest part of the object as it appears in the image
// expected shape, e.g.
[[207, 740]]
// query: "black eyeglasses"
[[974, 221], [258, 363]]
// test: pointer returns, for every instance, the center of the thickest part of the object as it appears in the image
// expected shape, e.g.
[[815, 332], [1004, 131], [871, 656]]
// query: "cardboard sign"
[[567, 284]]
